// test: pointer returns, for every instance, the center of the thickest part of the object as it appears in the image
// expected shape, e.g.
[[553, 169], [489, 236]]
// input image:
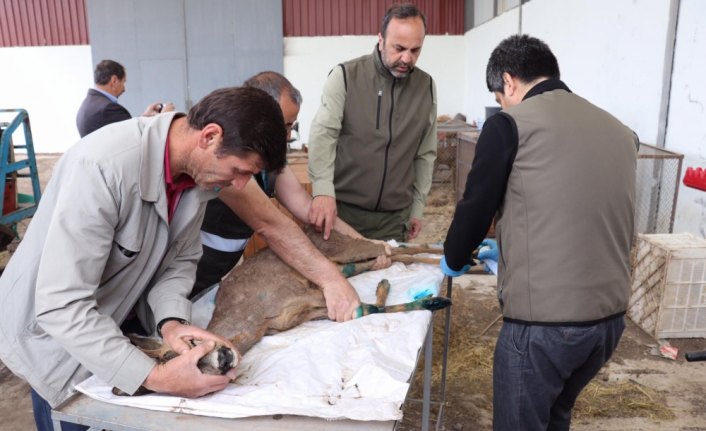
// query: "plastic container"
[[669, 285]]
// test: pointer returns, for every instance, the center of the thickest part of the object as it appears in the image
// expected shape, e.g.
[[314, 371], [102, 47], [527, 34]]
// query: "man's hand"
[[452, 272], [488, 249], [178, 336], [383, 261], [341, 301], [414, 227], [182, 377], [158, 107], [322, 214]]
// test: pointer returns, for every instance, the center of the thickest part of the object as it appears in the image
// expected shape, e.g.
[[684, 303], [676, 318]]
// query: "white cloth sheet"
[[356, 370]]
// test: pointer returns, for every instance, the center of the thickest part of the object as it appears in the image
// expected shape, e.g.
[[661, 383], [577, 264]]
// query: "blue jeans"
[[42, 416], [539, 371]]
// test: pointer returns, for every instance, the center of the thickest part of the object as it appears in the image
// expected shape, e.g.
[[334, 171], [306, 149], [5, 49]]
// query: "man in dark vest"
[[101, 107], [373, 142], [560, 174], [223, 233]]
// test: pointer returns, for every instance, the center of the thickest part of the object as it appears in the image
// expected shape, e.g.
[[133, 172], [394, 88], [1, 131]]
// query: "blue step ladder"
[[10, 168]]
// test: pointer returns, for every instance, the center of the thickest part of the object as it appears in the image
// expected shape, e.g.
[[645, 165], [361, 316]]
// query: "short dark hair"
[[251, 120], [274, 84], [401, 11], [106, 69], [524, 57]]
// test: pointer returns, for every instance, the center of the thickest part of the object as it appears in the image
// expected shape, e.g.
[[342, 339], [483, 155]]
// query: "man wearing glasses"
[[224, 234]]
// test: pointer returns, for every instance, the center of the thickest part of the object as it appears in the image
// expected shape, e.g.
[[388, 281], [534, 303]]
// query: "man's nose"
[[407, 58]]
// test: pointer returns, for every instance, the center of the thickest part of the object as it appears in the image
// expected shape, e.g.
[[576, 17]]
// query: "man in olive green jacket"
[[373, 140]]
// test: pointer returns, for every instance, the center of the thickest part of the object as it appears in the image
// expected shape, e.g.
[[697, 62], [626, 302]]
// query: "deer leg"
[[429, 303], [381, 293], [424, 248], [355, 268]]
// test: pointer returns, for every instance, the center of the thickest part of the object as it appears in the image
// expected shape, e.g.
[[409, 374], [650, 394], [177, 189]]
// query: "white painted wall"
[[308, 60], [686, 126], [480, 42], [611, 55], [50, 83]]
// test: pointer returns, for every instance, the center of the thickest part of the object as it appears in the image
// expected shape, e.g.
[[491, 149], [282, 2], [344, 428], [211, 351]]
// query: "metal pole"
[[426, 399], [447, 331], [668, 72]]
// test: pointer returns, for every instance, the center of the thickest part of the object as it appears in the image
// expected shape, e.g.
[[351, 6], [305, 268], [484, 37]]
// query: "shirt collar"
[[546, 85], [183, 181], [108, 95]]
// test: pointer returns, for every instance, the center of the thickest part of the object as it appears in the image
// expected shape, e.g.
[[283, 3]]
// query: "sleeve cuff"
[[179, 309], [326, 189], [417, 210], [167, 319], [134, 371]]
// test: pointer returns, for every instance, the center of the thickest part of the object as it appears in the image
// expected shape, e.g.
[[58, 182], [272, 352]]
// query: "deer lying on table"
[[264, 296]]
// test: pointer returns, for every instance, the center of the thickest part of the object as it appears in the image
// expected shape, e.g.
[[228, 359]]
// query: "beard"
[[399, 74], [392, 68]]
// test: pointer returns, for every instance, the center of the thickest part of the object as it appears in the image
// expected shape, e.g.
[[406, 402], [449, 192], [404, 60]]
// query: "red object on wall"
[[695, 178]]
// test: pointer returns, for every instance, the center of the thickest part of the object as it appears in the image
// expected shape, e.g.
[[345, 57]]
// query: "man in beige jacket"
[[116, 231]]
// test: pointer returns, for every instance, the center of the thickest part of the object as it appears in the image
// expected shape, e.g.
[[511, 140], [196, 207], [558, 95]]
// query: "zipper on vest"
[[377, 118], [389, 142]]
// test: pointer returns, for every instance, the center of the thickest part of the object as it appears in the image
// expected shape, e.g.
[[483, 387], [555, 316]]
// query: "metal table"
[[98, 415], [83, 410]]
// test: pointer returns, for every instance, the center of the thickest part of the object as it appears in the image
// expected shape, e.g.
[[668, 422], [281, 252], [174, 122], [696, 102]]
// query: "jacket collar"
[[546, 85], [99, 93], [154, 132]]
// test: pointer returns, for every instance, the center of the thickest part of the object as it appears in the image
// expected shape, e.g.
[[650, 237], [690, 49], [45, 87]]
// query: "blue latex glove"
[[450, 272], [492, 252]]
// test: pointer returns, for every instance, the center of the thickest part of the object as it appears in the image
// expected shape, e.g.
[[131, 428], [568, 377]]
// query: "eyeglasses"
[[292, 126]]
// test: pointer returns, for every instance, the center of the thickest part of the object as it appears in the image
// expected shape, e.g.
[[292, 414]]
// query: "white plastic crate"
[[669, 285]]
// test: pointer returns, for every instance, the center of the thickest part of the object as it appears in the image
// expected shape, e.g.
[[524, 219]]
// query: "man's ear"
[[209, 135], [381, 41], [509, 84]]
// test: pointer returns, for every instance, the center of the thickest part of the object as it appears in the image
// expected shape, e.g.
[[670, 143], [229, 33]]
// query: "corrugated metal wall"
[[363, 17], [43, 22], [181, 50], [63, 22]]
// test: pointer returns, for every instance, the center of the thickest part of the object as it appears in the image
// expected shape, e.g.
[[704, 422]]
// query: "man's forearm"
[[424, 165], [282, 235], [324, 133], [294, 248], [424, 169]]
